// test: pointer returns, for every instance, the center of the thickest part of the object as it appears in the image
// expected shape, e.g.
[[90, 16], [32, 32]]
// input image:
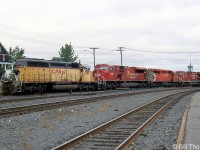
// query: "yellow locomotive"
[[43, 75]]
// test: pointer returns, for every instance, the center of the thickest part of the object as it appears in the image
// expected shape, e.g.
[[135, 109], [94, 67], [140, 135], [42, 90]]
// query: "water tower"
[[190, 67]]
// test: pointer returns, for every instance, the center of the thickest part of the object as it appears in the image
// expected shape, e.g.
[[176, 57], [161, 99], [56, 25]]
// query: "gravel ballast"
[[163, 133], [47, 129], [68, 97]]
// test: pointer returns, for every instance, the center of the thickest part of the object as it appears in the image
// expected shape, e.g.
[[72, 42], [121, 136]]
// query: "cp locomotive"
[[111, 76]]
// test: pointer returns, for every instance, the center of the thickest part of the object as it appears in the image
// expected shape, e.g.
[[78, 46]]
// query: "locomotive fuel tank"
[[65, 87], [130, 85]]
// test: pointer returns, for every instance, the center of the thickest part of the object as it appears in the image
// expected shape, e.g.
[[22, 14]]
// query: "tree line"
[[66, 53]]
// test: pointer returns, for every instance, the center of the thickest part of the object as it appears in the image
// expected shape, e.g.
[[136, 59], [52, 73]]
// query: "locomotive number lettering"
[[57, 71], [131, 75]]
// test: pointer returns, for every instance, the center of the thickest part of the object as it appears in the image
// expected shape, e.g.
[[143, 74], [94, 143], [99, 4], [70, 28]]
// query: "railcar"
[[134, 77], [43, 75], [107, 76], [162, 77], [183, 78], [114, 76], [194, 78]]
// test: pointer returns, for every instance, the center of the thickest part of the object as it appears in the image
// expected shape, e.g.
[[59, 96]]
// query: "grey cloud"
[[154, 25]]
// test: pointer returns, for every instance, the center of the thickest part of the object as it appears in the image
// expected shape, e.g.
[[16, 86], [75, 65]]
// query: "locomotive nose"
[[96, 74]]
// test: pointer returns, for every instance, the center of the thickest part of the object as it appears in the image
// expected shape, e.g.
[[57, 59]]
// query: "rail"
[[5, 112], [122, 125]]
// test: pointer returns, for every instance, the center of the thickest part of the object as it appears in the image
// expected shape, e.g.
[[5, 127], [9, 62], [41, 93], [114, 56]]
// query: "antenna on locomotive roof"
[[190, 67], [120, 49]]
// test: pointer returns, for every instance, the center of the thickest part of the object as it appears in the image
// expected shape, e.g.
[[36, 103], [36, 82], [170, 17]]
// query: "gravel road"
[[47, 129]]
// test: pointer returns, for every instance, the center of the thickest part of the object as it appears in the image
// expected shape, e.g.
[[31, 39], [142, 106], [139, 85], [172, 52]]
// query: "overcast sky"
[[41, 27]]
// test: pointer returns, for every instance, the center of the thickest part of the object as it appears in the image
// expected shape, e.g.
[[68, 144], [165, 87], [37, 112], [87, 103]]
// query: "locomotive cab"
[[101, 71], [107, 76], [105, 72]]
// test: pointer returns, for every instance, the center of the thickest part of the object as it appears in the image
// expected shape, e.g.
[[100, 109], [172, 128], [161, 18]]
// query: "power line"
[[14, 36], [19, 37], [160, 60], [145, 51]]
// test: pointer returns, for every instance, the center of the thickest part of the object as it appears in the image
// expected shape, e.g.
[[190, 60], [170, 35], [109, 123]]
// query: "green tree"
[[56, 59], [2, 71], [66, 54], [16, 53]]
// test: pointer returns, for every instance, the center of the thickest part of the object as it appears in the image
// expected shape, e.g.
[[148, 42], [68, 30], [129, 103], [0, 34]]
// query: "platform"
[[192, 128]]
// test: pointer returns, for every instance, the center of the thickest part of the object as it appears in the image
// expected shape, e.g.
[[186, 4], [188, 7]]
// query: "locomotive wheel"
[[41, 90], [103, 88]]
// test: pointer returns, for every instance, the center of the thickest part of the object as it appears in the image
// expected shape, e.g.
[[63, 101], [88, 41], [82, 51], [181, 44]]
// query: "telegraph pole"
[[120, 49], [94, 48]]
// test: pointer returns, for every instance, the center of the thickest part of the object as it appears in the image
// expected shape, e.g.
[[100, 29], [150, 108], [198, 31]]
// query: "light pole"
[[120, 49], [93, 53]]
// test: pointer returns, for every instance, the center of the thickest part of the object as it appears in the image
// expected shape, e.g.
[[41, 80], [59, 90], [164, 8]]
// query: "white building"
[[5, 60]]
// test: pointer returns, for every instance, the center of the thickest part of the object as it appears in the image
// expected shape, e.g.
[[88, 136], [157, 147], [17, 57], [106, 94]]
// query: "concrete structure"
[[192, 130]]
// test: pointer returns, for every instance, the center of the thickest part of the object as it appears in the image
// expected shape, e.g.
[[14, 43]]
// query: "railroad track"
[[12, 99], [122, 131], [19, 110], [7, 99]]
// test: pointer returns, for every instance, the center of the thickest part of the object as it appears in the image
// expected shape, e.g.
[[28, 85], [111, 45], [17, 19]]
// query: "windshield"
[[101, 68]]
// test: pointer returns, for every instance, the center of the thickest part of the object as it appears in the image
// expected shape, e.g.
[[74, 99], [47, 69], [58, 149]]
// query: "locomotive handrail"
[[99, 81]]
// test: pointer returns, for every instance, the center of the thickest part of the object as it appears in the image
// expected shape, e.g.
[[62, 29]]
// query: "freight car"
[[42, 75]]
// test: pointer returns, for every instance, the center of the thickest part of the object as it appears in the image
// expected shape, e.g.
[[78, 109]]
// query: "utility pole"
[[120, 49], [94, 48]]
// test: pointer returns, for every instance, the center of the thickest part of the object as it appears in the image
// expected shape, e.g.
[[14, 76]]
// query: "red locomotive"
[[113, 76], [186, 78]]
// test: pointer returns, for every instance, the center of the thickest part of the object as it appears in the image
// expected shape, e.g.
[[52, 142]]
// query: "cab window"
[[101, 68], [104, 68]]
